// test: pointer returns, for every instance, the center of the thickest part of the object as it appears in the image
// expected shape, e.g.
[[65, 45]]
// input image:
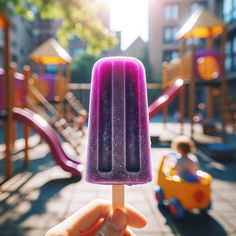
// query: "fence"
[[82, 92]]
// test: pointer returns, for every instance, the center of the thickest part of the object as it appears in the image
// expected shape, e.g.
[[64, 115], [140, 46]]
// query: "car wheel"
[[175, 208], [159, 195], [205, 210]]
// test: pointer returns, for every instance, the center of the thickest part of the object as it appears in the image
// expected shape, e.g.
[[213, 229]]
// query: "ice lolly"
[[118, 144]]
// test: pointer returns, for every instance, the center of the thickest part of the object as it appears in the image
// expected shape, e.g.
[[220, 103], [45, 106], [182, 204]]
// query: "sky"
[[131, 18]]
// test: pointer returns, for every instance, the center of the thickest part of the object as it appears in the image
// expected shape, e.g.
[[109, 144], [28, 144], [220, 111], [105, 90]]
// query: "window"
[[229, 51], [230, 55], [15, 58], [234, 53], [13, 27], [197, 5], [229, 11], [1, 37], [234, 10], [14, 44], [171, 12], [170, 34], [169, 55], [22, 51], [228, 61]]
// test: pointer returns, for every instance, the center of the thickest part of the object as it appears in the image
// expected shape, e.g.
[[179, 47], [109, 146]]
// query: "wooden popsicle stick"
[[118, 196]]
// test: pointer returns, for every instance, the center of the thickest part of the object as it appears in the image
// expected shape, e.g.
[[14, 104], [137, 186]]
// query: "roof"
[[50, 52], [135, 48], [202, 24]]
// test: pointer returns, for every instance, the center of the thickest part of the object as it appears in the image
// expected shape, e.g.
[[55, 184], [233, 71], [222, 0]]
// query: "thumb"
[[115, 224]]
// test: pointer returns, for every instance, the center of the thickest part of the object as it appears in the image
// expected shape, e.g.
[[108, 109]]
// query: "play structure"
[[162, 102], [53, 86], [36, 101], [19, 89], [16, 109], [68, 115], [201, 67], [36, 122]]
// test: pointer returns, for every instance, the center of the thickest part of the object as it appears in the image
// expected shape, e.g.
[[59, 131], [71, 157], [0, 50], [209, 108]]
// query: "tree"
[[77, 19], [81, 68]]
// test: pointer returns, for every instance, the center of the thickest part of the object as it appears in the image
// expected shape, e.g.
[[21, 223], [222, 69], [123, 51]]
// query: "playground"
[[42, 196], [44, 137]]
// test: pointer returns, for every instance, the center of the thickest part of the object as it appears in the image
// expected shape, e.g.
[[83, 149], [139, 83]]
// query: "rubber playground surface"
[[43, 195]]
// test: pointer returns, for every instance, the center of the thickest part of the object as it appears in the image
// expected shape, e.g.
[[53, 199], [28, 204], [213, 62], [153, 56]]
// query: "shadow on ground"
[[193, 224], [11, 219], [48, 191], [220, 169]]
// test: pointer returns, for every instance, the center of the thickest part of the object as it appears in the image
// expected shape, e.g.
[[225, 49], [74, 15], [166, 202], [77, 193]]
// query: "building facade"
[[45, 29], [167, 16], [22, 41], [226, 9], [165, 19]]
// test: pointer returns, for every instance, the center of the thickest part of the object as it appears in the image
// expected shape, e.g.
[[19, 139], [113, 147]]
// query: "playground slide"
[[166, 97], [45, 130]]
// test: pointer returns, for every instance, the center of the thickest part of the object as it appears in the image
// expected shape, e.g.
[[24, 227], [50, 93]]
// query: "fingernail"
[[118, 218]]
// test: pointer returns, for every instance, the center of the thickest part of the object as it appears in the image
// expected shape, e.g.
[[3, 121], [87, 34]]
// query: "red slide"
[[35, 121], [167, 96]]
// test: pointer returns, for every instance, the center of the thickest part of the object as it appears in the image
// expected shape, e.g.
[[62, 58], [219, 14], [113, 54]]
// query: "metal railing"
[[82, 92]]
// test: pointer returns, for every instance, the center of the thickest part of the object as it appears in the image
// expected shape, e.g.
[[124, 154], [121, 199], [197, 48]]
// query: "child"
[[186, 163]]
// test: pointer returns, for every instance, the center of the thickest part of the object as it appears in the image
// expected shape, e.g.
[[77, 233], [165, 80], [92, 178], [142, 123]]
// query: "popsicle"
[[119, 142]]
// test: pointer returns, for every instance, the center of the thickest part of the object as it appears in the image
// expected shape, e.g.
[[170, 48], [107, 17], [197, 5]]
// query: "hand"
[[98, 219]]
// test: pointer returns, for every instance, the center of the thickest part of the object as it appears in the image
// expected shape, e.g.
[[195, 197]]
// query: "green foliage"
[[20, 7], [77, 16], [82, 67]]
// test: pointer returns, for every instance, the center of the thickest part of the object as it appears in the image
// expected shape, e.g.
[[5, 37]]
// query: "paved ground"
[[41, 196]]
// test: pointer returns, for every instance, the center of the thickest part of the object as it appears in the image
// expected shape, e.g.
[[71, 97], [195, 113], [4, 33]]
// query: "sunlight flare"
[[131, 18]]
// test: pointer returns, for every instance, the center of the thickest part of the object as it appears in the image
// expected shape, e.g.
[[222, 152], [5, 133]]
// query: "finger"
[[129, 232], [94, 229], [135, 218], [87, 217], [115, 224]]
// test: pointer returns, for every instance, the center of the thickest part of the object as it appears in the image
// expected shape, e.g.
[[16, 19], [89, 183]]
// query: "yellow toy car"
[[179, 194]]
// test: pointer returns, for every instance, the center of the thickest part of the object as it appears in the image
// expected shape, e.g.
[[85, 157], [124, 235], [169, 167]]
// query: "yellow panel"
[[204, 32], [49, 60], [201, 24], [208, 68]]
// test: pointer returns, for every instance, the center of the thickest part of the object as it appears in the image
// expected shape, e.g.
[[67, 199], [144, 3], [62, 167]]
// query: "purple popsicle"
[[118, 145]]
